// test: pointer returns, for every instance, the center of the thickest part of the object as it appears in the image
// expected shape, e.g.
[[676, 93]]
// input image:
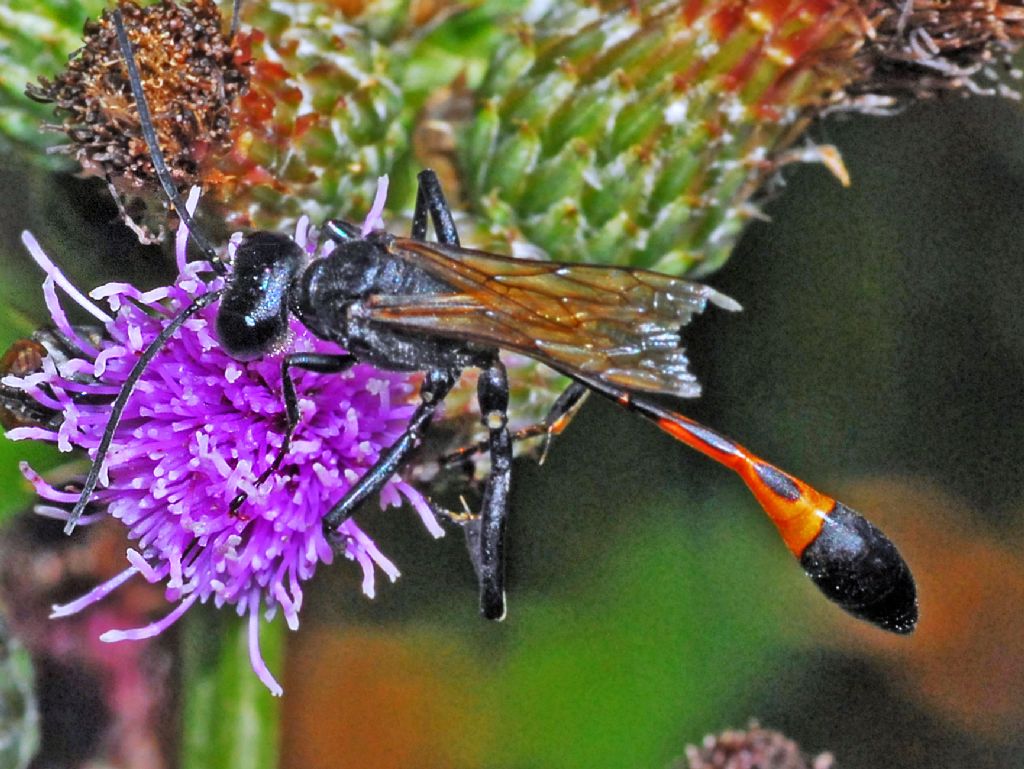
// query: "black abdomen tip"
[[854, 564]]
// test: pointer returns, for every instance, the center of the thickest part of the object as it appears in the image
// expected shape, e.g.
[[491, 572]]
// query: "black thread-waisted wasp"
[[408, 305]]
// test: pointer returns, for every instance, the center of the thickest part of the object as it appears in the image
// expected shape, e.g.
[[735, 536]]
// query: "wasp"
[[405, 304]]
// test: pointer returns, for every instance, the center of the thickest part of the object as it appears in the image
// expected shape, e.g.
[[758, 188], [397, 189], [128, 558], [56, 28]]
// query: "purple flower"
[[198, 429]]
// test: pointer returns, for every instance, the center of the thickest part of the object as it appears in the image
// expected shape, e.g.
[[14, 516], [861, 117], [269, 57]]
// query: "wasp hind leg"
[[485, 532], [554, 423], [485, 535]]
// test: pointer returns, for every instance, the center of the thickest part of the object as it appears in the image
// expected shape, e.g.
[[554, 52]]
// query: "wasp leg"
[[430, 199], [561, 413], [565, 407], [307, 361], [435, 387], [485, 532], [492, 393]]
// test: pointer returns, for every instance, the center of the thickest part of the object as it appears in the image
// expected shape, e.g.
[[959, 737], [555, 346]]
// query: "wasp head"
[[253, 317]]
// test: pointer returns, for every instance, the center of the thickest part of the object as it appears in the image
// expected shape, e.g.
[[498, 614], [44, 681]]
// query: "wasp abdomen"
[[854, 564]]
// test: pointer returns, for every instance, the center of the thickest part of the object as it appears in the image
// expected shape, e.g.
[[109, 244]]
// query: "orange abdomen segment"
[[850, 560], [796, 509]]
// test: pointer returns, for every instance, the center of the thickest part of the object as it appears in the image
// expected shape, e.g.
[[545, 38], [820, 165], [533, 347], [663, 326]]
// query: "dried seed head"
[[919, 48], [191, 77], [755, 748]]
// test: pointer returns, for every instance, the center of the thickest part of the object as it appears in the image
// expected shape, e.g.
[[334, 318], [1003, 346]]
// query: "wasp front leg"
[[436, 385], [430, 199], [306, 361]]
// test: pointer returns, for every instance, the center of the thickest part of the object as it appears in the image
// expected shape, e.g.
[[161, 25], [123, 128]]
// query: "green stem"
[[230, 718]]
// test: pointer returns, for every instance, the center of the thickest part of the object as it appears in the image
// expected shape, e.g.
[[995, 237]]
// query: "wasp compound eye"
[[253, 316], [854, 564]]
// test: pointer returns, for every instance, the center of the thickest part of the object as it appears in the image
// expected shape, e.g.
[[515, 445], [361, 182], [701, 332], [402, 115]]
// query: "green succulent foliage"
[[580, 140], [362, 80], [322, 120], [585, 141]]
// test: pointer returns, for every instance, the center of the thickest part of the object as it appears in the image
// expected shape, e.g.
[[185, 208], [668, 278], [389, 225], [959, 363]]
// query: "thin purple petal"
[[41, 487], [62, 514], [152, 629], [256, 658], [51, 270], [181, 236], [98, 593], [60, 318], [375, 218]]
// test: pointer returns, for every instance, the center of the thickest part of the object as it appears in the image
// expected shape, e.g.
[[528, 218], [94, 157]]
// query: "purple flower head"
[[198, 430]]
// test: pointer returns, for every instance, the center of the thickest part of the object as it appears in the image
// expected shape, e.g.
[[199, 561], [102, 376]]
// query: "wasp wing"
[[611, 323]]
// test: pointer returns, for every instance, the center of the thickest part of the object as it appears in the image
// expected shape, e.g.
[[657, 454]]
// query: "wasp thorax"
[[253, 316]]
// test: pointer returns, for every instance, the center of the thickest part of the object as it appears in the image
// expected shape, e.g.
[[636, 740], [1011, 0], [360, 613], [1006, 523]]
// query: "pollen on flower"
[[197, 430]]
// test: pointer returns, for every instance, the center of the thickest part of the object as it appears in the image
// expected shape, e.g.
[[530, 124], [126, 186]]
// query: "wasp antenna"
[[156, 155], [236, 7], [849, 559], [122, 400]]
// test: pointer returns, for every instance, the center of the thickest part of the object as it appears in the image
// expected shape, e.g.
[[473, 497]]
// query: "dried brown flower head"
[[191, 76], [755, 748], [920, 48]]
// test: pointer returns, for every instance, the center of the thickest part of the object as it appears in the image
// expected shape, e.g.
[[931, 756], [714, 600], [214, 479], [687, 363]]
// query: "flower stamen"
[[182, 435], [375, 219], [98, 593], [152, 629]]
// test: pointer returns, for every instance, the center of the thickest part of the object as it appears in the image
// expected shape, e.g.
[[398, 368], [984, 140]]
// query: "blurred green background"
[[879, 357]]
